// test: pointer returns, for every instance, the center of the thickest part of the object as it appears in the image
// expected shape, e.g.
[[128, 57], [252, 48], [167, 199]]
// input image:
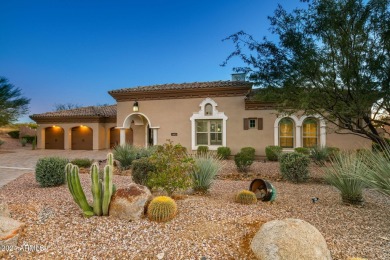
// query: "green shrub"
[[202, 149], [23, 142], [224, 152], [173, 167], [272, 152], [244, 159], [319, 155], [302, 150], [342, 174], [332, 152], [294, 166], [125, 155], [206, 168], [50, 171], [141, 169], [82, 162], [14, 134], [377, 148], [29, 138]]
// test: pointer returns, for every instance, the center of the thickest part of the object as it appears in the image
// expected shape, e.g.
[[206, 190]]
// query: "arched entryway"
[[82, 138], [54, 138], [144, 134], [115, 136]]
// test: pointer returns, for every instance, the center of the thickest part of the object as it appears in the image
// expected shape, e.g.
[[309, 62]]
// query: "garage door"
[[82, 138]]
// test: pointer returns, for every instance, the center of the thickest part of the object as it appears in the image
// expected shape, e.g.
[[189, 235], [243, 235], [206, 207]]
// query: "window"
[[252, 123], [208, 110], [286, 133], [208, 132], [310, 132]]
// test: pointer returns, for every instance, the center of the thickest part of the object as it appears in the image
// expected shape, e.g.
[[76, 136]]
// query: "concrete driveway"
[[14, 163]]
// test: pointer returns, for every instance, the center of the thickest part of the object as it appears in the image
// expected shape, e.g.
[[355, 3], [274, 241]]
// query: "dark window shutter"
[[260, 123], [246, 123]]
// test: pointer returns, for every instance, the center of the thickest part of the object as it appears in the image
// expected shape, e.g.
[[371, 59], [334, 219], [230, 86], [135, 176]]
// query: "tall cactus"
[[76, 189], [96, 190], [110, 159], [107, 188]]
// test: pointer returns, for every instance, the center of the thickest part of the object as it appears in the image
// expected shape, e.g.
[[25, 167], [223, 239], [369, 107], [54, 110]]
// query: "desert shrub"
[[319, 155], [332, 152], [342, 174], [294, 166], [377, 148], [246, 197], [23, 142], [29, 138], [125, 155], [224, 152], [1, 142], [144, 152], [14, 134], [207, 166], [272, 152], [244, 158], [202, 149], [302, 150], [173, 167], [82, 162], [141, 169], [162, 209], [50, 171]]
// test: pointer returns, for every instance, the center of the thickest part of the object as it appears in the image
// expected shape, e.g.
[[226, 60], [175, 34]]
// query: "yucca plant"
[[342, 174], [207, 166], [125, 154]]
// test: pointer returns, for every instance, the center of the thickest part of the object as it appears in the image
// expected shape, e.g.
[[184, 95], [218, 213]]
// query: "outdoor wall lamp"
[[135, 107]]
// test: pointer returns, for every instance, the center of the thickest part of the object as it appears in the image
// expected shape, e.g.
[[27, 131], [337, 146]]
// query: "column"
[[155, 135], [122, 136], [298, 136]]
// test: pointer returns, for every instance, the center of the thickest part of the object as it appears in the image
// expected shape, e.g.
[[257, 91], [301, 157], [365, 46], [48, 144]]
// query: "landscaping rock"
[[4, 211], [10, 231], [289, 239], [129, 203]]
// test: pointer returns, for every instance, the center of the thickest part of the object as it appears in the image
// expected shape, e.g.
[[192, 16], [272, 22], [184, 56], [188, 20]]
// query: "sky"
[[72, 51]]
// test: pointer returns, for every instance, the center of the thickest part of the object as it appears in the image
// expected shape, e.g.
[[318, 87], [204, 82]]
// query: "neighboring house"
[[220, 113]]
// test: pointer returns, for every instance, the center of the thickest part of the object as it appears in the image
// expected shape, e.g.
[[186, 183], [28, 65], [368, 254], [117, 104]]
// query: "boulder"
[[4, 211], [10, 231], [289, 239], [129, 203]]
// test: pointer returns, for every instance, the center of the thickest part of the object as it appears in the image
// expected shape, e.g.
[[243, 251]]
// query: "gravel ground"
[[210, 226]]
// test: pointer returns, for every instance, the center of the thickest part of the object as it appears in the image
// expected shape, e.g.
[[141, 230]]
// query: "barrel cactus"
[[162, 209], [246, 197]]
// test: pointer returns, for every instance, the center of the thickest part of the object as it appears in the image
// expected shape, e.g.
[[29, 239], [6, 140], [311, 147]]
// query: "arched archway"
[[82, 138], [143, 132], [115, 136], [54, 138]]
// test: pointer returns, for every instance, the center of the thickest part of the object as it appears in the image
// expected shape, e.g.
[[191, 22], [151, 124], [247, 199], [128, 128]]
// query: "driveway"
[[14, 163]]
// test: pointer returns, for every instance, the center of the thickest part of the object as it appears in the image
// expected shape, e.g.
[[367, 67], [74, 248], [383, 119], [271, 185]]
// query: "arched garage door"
[[82, 138], [54, 138], [115, 136]]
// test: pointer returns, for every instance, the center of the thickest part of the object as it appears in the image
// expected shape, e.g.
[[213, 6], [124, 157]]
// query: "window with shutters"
[[253, 123]]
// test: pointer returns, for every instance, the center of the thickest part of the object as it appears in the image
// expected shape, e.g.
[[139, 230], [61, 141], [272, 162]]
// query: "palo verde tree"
[[331, 58], [12, 104]]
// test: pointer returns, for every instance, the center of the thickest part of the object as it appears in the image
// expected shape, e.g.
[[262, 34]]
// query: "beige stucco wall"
[[99, 134], [173, 116]]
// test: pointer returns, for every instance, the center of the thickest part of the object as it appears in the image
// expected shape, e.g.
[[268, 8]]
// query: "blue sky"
[[72, 51]]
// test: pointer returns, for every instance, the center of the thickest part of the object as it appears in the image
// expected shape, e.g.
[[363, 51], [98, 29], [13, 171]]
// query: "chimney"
[[238, 76]]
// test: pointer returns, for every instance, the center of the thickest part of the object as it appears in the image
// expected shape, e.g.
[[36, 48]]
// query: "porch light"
[[135, 107]]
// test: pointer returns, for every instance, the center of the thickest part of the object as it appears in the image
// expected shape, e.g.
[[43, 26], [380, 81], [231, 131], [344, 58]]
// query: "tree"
[[67, 106], [12, 104], [331, 58]]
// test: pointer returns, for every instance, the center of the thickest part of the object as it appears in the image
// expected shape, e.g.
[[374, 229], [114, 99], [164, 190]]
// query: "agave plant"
[[342, 174]]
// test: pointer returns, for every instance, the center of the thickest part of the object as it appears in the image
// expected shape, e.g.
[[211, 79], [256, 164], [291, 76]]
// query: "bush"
[[224, 152], [50, 171], [202, 149], [141, 169], [206, 168], [332, 152], [319, 155], [82, 162], [29, 138], [125, 154], [172, 168], [302, 150], [23, 142], [1, 142], [272, 152], [244, 158], [294, 166], [342, 175], [14, 134], [377, 148]]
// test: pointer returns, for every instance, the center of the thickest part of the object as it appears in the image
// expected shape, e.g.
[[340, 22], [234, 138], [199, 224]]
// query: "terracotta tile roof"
[[193, 85], [91, 111]]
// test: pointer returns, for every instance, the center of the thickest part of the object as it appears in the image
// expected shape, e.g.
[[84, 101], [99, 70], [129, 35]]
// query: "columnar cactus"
[[246, 197], [107, 188], [96, 189], [162, 209], [110, 159], [74, 185]]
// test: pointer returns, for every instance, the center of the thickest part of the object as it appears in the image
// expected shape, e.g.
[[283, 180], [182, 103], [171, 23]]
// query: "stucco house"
[[219, 113]]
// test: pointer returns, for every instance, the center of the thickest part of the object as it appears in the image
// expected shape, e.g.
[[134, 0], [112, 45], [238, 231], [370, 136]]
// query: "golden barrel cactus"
[[246, 197], [162, 209]]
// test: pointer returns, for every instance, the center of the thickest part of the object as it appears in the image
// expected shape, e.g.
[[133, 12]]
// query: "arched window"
[[310, 132], [286, 133], [208, 110]]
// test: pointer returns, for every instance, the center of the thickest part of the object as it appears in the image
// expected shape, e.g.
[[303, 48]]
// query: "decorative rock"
[[289, 239], [4, 211], [129, 203], [10, 231]]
